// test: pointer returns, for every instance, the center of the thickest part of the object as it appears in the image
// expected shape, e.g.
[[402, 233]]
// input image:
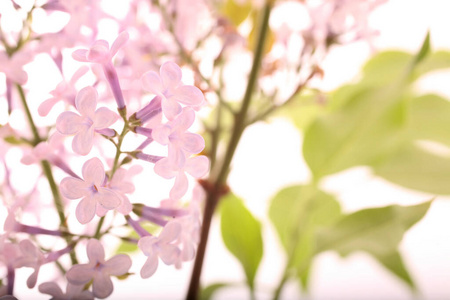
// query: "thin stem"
[[37, 138], [217, 190], [99, 227]]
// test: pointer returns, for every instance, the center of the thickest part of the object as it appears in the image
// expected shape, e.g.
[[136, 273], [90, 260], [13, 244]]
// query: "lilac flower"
[[83, 127], [180, 142], [64, 91], [160, 247], [73, 292], [169, 87], [196, 166], [32, 257], [101, 53], [91, 190], [99, 270], [13, 66]]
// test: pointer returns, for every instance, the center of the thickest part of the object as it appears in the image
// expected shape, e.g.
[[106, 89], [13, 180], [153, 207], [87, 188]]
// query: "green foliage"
[[241, 233], [297, 212], [377, 231], [207, 292]]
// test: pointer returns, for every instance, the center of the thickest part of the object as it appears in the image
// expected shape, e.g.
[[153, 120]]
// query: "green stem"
[[217, 189], [99, 227], [37, 138]]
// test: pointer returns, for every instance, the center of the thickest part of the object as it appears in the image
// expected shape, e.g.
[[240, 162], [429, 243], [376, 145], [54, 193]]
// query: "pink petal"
[[146, 245], [164, 169], [69, 123], [74, 188], [107, 198], [78, 74], [94, 172], [52, 289], [151, 82], [161, 134], [83, 141], [176, 157], [31, 281], [95, 251], [102, 286], [118, 43], [180, 187], [197, 166], [188, 95], [169, 254], [170, 75], [192, 143], [27, 248], [85, 211], [117, 265], [170, 108], [80, 55], [125, 207], [80, 274], [149, 267], [99, 52], [184, 120], [170, 232], [86, 101], [46, 106], [104, 118]]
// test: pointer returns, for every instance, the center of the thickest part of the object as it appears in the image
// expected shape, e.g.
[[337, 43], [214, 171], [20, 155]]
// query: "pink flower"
[[72, 291], [13, 66], [196, 166], [181, 143], [99, 270], [160, 247], [64, 91], [91, 190], [83, 127], [169, 87], [32, 257]]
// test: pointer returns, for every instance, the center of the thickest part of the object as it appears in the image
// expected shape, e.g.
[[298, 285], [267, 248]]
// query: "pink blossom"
[[13, 66], [73, 292], [196, 166], [169, 87], [91, 191], [83, 127], [99, 270], [64, 91], [180, 142], [160, 247], [32, 257]]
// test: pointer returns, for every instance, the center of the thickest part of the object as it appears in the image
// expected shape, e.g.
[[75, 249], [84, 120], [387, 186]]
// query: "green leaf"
[[367, 128], [304, 109], [377, 231], [385, 67], [207, 292], [424, 50], [430, 119], [297, 212], [417, 168], [241, 233], [236, 12]]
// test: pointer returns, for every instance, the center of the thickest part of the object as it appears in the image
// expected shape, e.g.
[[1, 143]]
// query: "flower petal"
[[184, 120], [102, 285], [107, 198], [170, 108], [188, 95], [83, 140], [117, 265], [80, 274], [118, 43], [104, 118], [169, 254], [80, 55], [164, 168], [151, 82], [46, 106], [85, 210], [197, 166], [93, 172], [69, 123], [74, 188], [95, 251], [170, 232], [192, 143], [180, 187], [170, 75], [52, 289], [86, 101], [161, 134], [149, 267]]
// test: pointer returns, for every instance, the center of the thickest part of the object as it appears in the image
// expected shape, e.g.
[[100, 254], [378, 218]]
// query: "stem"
[[37, 138], [216, 191], [99, 227]]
